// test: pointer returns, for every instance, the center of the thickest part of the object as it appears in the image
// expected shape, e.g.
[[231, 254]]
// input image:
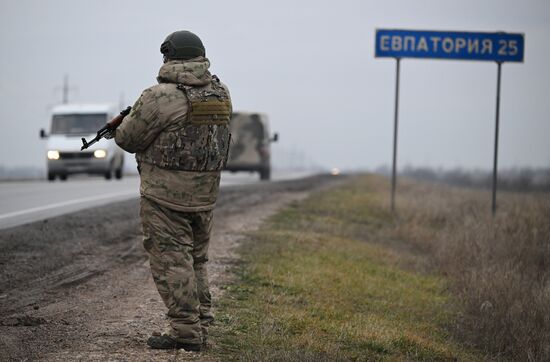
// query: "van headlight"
[[53, 155], [100, 153]]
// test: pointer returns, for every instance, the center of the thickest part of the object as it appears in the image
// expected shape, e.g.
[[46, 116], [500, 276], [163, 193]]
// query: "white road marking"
[[67, 203]]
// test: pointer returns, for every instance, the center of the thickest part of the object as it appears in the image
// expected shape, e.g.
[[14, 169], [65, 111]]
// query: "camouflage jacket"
[[161, 111]]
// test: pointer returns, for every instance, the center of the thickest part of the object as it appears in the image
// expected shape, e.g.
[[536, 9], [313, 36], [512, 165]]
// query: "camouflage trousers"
[[177, 244]]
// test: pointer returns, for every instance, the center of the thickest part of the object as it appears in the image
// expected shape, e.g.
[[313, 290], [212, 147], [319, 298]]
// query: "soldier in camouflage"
[[179, 131]]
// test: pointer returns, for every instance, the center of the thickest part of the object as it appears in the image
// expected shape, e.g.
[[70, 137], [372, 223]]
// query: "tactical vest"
[[202, 142]]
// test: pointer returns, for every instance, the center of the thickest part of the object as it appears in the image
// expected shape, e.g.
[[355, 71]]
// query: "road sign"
[[497, 47]]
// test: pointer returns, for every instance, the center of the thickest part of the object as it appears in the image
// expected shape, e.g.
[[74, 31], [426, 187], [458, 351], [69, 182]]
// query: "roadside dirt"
[[78, 287]]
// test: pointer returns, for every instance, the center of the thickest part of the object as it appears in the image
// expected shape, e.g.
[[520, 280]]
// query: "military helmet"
[[182, 44]]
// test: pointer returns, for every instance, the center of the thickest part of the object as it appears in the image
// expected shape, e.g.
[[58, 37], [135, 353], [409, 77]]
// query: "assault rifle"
[[110, 126]]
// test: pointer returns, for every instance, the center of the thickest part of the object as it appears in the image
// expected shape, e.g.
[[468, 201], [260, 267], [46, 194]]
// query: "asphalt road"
[[29, 201]]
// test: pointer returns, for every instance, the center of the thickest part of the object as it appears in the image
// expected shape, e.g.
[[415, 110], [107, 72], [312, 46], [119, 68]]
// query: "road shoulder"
[[105, 308]]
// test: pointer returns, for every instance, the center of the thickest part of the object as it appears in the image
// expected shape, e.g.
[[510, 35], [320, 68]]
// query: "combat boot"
[[166, 342]]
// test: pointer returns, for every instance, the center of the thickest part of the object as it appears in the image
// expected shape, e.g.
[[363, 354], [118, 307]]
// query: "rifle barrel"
[[113, 124]]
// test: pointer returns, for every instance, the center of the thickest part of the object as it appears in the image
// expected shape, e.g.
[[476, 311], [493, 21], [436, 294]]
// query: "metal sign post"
[[498, 47], [495, 154], [395, 123]]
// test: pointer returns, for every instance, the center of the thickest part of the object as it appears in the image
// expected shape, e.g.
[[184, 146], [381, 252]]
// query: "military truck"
[[250, 144]]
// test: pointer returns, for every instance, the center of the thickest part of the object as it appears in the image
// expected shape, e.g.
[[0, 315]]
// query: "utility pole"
[[65, 89]]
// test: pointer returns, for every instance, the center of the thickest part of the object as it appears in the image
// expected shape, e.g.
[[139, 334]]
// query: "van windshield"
[[78, 123]]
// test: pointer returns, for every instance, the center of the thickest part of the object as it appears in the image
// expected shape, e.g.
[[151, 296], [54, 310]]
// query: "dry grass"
[[498, 268], [491, 286], [311, 289]]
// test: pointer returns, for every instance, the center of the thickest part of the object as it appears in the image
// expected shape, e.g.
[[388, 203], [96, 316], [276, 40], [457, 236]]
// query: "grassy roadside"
[[313, 287]]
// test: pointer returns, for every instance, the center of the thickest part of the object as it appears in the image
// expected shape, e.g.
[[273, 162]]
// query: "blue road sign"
[[498, 47]]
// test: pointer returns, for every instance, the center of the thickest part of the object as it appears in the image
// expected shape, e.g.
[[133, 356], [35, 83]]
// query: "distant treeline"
[[513, 179]]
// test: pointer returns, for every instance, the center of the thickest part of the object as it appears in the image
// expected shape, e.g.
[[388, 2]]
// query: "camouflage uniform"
[[179, 132]]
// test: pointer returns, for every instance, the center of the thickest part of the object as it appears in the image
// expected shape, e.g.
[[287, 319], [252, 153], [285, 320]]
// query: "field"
[[338, 277]]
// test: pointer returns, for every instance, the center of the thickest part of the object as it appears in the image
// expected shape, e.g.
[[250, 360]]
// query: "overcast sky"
[[308, 64]]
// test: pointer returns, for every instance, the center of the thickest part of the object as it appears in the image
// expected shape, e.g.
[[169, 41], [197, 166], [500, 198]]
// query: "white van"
[[71, 122]]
